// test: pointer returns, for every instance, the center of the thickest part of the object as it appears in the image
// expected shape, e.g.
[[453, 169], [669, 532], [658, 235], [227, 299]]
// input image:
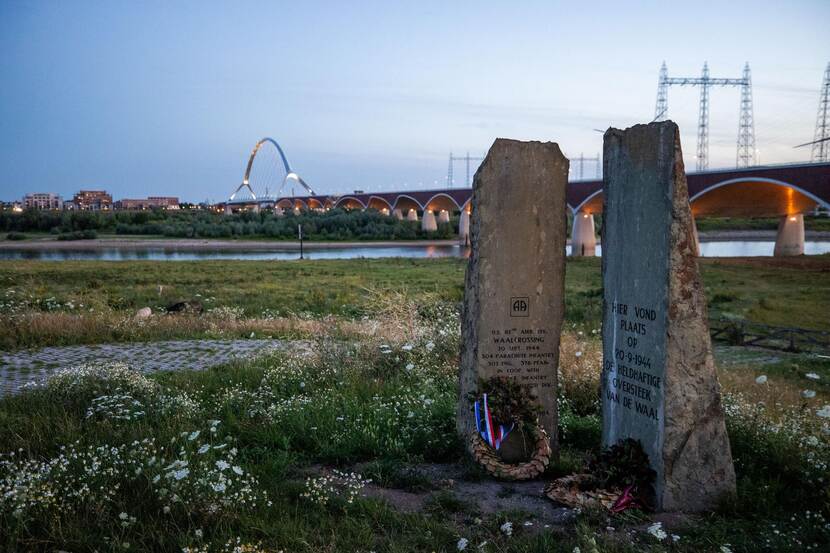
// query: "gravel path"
[[20, 367]]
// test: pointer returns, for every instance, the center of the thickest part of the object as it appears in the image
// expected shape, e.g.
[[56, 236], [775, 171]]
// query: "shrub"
[[15, 236], [88, 234]]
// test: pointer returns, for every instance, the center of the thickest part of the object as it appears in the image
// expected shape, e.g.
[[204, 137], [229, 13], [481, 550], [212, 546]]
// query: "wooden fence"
[[746, 333]]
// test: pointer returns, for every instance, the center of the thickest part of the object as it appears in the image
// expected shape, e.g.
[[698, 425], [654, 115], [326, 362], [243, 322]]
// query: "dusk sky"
[[168, 98]]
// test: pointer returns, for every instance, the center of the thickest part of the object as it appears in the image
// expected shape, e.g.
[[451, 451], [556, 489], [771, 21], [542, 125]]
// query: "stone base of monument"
[[517, 447], [496, 466]]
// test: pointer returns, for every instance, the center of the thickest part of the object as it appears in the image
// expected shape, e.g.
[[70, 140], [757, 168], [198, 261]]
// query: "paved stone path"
[[20, 367]]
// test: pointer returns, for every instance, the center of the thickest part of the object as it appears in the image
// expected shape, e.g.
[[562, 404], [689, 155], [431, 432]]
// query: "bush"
[[78, 235], [15, 236]]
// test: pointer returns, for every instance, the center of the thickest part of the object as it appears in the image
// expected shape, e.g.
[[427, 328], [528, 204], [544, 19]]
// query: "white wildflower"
[[657, 531], [808, 394], [193, 435], [507, 528], [222, 465], [204, 449], [761, 379], [824, 412], [237, 470], [430, 346], [462, 544], [578, 354], [812, 376]]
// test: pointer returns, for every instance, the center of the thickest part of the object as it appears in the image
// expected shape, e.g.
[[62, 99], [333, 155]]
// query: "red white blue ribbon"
[[493, 434]]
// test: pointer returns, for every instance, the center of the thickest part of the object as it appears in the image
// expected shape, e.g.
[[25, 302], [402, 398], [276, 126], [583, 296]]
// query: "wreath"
[[502, 407], [618, 478]]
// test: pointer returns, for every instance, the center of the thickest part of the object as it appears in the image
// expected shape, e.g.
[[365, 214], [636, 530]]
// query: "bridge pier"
[[412, 215], [583, 236], [228, 210], [464, 227], [278, 211], [255, 209], [790, 237], [443, 216], [428, 223], [398, 214]]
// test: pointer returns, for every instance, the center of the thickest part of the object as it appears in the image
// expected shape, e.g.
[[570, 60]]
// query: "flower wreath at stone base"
[[488, 458]]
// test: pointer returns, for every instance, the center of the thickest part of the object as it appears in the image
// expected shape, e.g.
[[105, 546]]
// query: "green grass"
[[738, 223], [762, 290]]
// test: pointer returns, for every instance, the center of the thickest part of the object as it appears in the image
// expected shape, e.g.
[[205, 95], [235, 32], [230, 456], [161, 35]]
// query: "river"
[[707, 249]]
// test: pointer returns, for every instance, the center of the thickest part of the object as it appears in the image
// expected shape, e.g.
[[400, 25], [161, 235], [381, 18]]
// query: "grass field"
[[72, 302], [244, 457], [273, 454]]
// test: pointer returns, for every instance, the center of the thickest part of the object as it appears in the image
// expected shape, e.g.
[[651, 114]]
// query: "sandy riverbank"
[[213, 245], [279, 245]]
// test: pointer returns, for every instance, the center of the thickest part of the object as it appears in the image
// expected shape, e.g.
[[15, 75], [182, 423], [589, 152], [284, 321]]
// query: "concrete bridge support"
[[278, 211], [398, 214], [583, 236], [443, 216], [228, 210], [412, 215], [464, 227], [255, 209], [428, 223], [790, 237]]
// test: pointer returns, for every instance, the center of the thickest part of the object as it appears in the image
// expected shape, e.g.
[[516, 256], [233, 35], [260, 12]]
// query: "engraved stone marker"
[[514, 289], [658, 379]]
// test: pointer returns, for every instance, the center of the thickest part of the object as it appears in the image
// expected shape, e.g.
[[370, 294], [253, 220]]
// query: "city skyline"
[[160, 100]]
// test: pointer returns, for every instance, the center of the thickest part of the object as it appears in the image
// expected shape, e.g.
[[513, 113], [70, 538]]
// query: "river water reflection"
[[708, 249]]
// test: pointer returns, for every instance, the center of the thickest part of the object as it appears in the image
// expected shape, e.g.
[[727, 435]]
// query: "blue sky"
[[150, 98]]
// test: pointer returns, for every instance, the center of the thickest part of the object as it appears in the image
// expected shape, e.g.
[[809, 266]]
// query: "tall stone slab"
[[514, 289], [659, 383]]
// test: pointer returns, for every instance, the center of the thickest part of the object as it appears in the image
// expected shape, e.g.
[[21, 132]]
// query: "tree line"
[[336, 224]]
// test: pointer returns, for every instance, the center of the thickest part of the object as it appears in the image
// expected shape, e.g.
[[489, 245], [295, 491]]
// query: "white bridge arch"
[[289, 175]]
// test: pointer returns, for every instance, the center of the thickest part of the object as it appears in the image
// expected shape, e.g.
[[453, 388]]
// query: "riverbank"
[[185, 244], [209, 245]]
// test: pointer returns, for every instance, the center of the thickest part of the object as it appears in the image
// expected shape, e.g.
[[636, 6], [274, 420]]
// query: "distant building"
[[151, 202], [42, 200], [92, 200]]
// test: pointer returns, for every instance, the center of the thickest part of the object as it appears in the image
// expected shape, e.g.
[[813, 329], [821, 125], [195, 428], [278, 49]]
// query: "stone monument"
[[514, 288], [659, 383]]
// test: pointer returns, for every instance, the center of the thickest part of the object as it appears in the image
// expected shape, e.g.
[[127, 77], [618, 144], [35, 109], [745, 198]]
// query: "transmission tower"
[[467, 158], [703, 121], [746, 124], [821, 144], [746, 129], [578, 164], [662, 94]]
